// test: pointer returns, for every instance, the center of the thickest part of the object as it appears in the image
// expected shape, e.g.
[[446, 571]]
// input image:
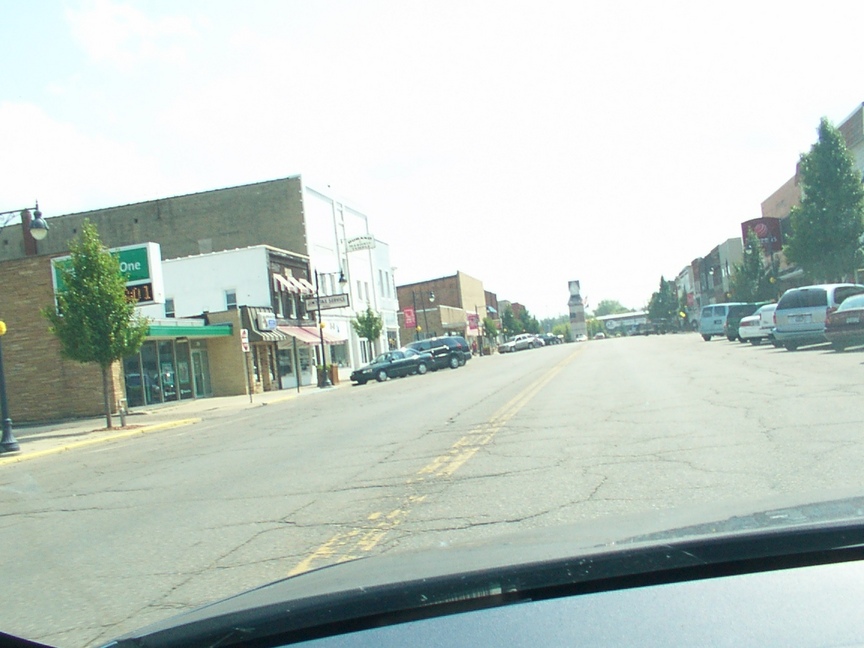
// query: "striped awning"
[[308, 336], [290, 284]]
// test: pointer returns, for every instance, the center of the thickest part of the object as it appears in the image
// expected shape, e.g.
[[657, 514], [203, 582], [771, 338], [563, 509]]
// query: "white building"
[[349, 259]]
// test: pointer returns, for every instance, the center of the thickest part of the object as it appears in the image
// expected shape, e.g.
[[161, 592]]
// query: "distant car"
[[801, 312], [581, 338], [845, 326], [447, 350], [723, 319], [759, 326], [550, 339], [600, 336], [393, 364]]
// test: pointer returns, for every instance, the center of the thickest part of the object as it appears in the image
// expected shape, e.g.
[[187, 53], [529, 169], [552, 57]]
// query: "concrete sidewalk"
[[42, 440]]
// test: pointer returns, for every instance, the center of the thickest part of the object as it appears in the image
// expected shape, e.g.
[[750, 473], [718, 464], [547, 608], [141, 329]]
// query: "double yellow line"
[[350, 544]]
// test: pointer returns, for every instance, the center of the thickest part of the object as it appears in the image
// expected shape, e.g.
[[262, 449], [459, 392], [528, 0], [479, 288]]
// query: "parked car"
[[393, 364], [723, 319], [801, 312], [526, 341], [549, 339], [447, 350], [759, 326], [845, 326]]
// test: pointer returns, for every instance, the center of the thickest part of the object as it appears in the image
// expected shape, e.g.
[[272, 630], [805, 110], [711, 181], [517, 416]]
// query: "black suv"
[[447, 351]]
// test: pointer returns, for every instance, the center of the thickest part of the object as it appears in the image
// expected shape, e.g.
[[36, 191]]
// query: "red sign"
[[473, 321], [410, 318], [768, 232]]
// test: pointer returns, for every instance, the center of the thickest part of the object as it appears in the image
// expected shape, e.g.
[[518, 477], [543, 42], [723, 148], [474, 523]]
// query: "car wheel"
[[382, 376], [421, 368], [731, 338], [462, 362], [454, 362], [838, 347], [791, 346], [755, 341], [707, 338]]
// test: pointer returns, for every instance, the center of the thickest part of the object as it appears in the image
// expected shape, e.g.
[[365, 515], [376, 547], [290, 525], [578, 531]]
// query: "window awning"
[[207, 331], [303, 336], [289, 284], [308, 336]]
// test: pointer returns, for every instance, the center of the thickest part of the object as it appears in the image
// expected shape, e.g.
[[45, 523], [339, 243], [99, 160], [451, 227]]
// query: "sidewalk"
[[41, 440]]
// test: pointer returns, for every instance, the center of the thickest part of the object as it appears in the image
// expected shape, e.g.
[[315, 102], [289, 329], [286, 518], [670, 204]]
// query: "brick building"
[[442, 306]]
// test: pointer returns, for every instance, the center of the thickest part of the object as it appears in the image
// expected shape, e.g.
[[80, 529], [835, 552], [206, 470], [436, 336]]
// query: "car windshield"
[[272, 276]]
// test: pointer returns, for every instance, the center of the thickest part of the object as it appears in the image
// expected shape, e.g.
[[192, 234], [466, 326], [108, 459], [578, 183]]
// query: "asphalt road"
[[104, 539]]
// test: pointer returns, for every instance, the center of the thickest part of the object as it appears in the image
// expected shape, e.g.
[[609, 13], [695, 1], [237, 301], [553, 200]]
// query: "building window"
[[169, 307], [231, 299]]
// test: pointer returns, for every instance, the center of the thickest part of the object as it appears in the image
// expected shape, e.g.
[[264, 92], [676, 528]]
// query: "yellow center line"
[[348, 545]]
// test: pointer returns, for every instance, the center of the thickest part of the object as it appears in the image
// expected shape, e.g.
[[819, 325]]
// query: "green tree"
[[609, 307], [368, 324], [749, 282], [490, 330], [564, 329], [509, 322], [94, 319], [594, 326], [664, 303], [529, 322], [828, 224]]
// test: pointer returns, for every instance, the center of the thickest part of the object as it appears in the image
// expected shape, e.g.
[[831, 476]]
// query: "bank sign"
[[142, 265]]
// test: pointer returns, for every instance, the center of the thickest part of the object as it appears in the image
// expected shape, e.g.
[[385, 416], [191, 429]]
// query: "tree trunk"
[[106, 400]]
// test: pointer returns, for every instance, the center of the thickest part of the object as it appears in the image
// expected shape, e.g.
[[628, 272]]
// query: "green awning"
[[208, 331]]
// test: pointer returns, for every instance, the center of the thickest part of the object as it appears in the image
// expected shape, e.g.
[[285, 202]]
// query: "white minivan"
[[800, 315]]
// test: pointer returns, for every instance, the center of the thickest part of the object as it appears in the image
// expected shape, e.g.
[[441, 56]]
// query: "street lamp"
[[431, 297], [326, 381], [38, 229]]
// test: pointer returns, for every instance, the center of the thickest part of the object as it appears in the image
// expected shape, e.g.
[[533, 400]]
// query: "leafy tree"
[[368, 324], [664, 303], [827, 225], [529, 322], [749, 282], [564, 329], [94, 319], [490, 330], [594, 326], [610, 307], [509, 322]]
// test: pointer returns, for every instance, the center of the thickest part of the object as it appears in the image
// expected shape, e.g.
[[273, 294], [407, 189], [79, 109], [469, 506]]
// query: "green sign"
[[141, 264]]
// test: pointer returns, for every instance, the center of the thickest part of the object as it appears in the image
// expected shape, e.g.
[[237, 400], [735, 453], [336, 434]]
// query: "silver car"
[[800, 315]]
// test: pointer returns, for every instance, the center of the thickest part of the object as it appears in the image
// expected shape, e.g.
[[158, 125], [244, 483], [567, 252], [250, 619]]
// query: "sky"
[[524, 143]]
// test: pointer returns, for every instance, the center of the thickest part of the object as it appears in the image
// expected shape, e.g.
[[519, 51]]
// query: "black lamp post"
[[38, 229], [325, 382], [431, 297]]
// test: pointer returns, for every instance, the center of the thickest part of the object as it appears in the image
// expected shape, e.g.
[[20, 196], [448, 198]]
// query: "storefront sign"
[[142, 265], [327, 302], [266, 321], [366, 242], [244, 340], [410, 318]]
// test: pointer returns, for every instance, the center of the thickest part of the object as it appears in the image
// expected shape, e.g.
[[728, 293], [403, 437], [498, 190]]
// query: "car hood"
[[344, 597]]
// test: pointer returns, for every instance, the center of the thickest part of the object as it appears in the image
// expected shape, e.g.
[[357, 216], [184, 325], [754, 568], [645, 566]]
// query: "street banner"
[[410, 318]]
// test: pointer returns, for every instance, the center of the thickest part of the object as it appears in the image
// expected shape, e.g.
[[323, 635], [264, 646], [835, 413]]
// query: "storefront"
[[173, 363]]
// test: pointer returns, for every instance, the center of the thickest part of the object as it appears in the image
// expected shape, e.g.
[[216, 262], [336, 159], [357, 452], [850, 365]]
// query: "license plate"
[[853, 320], [798, 319]]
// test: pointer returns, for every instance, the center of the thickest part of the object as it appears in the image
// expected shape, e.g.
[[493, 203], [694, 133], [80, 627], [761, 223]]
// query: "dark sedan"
[[393, 364], [845, 326]]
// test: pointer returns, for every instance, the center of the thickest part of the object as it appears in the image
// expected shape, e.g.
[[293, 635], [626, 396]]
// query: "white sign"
[[365, 242], [327, 301], [266, 321], [244, 340]]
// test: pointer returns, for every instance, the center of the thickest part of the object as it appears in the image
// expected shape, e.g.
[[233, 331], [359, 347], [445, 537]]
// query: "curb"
[[103, 439]]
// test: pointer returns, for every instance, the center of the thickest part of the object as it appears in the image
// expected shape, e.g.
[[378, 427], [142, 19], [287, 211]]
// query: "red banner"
[[410, 318], [473, 321]]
